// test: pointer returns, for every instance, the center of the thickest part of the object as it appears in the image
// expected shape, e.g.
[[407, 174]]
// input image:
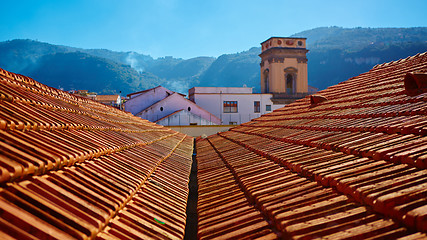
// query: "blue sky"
[[190, 28]]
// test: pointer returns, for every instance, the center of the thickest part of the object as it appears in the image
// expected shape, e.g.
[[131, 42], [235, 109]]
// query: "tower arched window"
[[289, 83], [266, 81], [290, 80]]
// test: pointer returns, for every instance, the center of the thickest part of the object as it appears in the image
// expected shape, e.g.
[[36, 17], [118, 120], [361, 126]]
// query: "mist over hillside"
[[335, 55]]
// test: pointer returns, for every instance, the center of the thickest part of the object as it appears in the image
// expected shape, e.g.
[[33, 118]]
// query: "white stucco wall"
[[184, 118], [173, 103], [245, 105], [220, 90], [146, 99]]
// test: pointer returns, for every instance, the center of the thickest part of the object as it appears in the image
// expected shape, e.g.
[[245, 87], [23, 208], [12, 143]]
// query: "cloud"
[[180, 86], [133, 62]]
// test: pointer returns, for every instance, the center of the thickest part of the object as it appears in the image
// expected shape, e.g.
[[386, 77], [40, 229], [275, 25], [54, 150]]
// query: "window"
[[161, 109], [289, 83], [267, 107], [257, 107], [266, 81], [233, 123], [193, 124], [189, 108], [230, 106]]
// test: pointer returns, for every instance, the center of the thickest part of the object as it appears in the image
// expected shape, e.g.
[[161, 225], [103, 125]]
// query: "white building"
[[233, 105], [139, 101], [184, 117], [283, 80], [168, 108]]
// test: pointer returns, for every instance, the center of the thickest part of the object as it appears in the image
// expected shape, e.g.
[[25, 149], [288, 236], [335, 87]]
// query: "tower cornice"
[[287, 52]]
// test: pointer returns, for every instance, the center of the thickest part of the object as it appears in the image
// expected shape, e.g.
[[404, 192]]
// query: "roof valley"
[[246, 216]]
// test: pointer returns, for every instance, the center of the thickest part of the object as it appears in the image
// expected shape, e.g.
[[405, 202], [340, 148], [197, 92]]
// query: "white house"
[[139, 101], [184, 117], [168, 108], [233, 105]]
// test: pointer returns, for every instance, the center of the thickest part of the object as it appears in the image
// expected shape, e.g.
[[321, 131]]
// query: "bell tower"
[[284, 66]]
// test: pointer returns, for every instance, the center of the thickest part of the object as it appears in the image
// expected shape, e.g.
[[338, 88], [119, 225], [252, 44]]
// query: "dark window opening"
[[230, 106], [289, 83], [189, 108], [266, 81], [161, 109], [267, 107], [257, 107]]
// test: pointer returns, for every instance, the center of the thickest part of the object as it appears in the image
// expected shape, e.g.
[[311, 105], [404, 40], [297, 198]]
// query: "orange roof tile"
[[350, 162], [347, 163], [72, 168], [106, 98]]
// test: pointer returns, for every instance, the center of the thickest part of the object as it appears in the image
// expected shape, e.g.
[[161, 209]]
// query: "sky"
[[191, 28]]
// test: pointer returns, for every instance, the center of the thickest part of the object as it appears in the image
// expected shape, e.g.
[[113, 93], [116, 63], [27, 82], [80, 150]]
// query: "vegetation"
[[336, 54]]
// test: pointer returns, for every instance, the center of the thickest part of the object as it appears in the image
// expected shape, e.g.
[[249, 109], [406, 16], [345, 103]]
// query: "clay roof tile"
[[357, 161], [72, 168]]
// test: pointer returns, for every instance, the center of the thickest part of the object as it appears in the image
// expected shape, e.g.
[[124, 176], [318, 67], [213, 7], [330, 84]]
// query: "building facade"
[[232, 105], [164, 106], [141, 100], [283, 80], [185, 118]]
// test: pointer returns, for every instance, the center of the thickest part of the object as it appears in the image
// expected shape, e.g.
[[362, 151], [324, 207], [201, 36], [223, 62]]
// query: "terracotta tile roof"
[[223, 209], [349, 163], [72, 168], [106, 98]]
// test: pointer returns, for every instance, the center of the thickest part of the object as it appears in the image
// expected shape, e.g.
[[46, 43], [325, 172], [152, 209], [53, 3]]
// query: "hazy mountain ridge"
[[99, 70], [335, 55], [91, 72], [234, 70], [356, 39]]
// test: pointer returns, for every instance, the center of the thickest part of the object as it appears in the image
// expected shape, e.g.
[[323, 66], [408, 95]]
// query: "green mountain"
[[77, 70], [234, 70], [99, 70], [70, 68], [335, 55], [357, 39]]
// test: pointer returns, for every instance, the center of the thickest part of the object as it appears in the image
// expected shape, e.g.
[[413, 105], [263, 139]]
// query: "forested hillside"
[[335, 55]]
